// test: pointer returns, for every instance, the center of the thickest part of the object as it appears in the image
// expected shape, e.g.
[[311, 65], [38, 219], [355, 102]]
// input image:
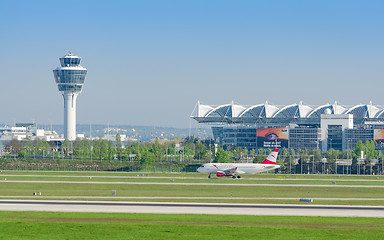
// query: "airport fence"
[[63, 164], [75, 164]]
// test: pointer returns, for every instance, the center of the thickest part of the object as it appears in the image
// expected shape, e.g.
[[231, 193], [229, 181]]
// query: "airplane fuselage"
[[241, 168]]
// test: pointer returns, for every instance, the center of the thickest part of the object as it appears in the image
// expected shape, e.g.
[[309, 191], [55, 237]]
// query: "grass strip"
[[151, 190], [51, 225]]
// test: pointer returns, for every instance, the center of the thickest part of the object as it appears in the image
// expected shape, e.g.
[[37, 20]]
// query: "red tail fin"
[[271, 159]]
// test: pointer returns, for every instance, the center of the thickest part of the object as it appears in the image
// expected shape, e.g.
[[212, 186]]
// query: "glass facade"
[[244, 137], [218, 134], [299, 137], [247, 138], [70, 88], [335, 137], [304, 138], [353, 136], [70, 61], [70, 76]]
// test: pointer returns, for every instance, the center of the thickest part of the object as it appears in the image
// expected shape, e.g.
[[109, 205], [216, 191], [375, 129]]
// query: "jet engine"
[[222, 174]]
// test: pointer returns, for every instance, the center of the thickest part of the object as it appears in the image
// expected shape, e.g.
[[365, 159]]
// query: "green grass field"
[[179, 179], [325, 187], [49, 225], [193, 175]]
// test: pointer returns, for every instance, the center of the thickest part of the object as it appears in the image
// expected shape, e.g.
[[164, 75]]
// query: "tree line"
[[191, 149]]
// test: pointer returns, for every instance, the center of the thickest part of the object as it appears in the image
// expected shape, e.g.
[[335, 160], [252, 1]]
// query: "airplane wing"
[[231, 171]]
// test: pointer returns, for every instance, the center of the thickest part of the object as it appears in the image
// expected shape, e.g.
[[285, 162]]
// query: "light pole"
[[317, 150], [301, 164], [323, 166], [290, 163], [313, 164]]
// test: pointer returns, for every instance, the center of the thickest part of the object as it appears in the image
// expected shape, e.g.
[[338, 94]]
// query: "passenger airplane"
[[235, 169]]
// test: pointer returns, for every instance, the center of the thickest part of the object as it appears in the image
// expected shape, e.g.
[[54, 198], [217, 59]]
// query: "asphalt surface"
[[191, 198], [199, 184], [192, 208], [200, 178]]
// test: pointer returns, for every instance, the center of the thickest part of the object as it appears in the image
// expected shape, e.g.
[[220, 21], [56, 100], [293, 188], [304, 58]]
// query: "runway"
[[185, 198], [191, 178], [192, 208], [199, 184]]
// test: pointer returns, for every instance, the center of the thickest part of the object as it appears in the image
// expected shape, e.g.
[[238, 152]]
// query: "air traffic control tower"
[[70, 79]]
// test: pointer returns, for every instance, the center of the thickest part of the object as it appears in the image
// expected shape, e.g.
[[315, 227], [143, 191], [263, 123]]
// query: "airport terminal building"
[[296, 126]]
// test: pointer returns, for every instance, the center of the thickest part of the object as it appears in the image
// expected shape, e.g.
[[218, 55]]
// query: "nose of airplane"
[[198, 169]]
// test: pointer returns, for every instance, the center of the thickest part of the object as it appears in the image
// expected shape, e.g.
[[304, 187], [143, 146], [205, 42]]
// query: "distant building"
[[22, 131], [296, 126]]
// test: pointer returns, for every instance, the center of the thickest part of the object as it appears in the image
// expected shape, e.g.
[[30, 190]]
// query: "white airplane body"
[[235, 169]]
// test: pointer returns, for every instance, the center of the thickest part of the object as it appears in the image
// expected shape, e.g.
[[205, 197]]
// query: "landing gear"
[[233, 176], [209, 176], [238, 176]]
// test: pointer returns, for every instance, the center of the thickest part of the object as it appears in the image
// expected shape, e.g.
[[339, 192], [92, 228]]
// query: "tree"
[[269, 151], [147, 158], [379, 166], [358, 148], [252, 152], [156, 147], [43, 147], [331, 156], [370, 153], [66, 146], [200, 150], [316, 160], [354, 164], [14, 146], [221, 156], [28, 145], [78, 148], [118, 146], [286, 161], [238, 153], [260, 156]]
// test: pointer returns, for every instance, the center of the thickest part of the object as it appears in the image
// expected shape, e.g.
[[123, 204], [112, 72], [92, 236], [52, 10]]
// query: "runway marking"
[[191, 198], [200, 184]]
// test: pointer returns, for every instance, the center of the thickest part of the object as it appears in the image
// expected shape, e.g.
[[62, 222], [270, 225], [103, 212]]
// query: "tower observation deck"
[[70, 79]]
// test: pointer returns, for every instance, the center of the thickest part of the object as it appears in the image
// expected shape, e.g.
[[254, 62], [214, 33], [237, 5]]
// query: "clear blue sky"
[[149, 62]]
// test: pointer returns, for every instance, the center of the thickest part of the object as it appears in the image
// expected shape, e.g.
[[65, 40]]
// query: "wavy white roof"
[[380, 114], [293, 111], [363, 111], [300, 110], [202, 110], [259, 111], [323, 109]]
